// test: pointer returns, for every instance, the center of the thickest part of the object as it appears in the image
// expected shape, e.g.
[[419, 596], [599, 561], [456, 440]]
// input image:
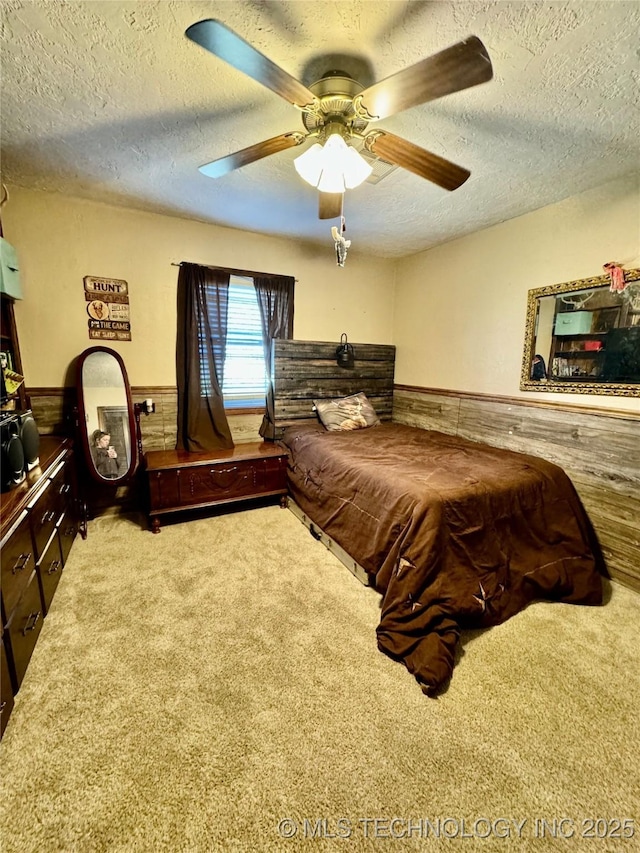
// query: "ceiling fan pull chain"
[[341, 244]]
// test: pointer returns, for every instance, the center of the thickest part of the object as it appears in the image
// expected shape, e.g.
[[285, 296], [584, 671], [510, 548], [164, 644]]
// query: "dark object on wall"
[[345, 354]]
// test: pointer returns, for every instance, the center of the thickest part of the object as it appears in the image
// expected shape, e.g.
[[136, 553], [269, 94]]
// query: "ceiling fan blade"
[[227, 164], [423, 163], [458, 67], [330, 205], [218, 39]]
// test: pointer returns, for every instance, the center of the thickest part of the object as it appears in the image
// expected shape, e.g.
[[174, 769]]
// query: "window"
[[245, 380]]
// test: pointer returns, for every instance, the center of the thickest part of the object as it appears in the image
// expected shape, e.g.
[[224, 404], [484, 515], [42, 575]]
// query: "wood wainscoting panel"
[[598, 449], [428, 411], [53, 410], [153, 427]]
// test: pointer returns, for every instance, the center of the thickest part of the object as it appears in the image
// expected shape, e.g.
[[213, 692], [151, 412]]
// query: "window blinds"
[[244, 382]]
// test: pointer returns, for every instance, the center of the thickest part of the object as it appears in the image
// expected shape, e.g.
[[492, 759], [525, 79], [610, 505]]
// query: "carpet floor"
[[217, 687]]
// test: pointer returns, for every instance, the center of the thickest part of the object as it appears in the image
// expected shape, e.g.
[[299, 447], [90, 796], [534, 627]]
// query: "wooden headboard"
[[306, 370]]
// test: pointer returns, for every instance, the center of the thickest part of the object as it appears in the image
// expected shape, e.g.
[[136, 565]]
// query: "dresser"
[[178, 480], [38, 527]]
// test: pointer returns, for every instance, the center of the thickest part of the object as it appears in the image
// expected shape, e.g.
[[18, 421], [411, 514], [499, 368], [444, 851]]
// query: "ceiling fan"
[[338, 107]]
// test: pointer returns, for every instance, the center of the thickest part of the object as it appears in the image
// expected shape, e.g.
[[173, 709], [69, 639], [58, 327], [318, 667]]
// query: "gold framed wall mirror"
[[583, 337], [106, 416]]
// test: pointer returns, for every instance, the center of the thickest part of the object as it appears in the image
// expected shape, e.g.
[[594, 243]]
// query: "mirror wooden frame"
[[593, 386], [82, 419]]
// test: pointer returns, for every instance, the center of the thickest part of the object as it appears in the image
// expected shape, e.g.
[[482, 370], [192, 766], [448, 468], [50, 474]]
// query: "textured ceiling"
[[110, 101]]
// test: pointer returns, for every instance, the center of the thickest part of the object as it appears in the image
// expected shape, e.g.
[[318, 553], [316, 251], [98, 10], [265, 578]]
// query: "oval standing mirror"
[[106, 415]]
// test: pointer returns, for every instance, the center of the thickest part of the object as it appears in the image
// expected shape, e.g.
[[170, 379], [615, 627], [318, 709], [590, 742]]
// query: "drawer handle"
[[317, 536], [21, 563], [2, 707], [48, 516], [53, 568], [32, 621], [70, 531], [65, 489]]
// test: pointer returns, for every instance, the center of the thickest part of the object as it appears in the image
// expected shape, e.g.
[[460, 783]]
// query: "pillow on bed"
[[345, 413]]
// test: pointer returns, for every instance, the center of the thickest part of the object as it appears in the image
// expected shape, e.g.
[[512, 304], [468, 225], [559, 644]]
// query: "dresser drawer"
[[6, 689], [61, 488], [49, 569], [216, 483], [67, 531], [18, 561], [44, 513], [23, 629]]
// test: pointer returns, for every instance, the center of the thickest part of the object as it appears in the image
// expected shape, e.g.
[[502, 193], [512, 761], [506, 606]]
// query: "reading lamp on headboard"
[[344, 354]]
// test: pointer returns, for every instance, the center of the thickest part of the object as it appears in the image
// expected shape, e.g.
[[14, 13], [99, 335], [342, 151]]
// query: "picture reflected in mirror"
[[584, 337]]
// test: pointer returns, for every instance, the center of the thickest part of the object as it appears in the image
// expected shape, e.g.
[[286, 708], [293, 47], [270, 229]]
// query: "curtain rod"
[[234, 271]]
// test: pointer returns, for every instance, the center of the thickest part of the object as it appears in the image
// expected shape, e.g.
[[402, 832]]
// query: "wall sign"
[[108, 308]]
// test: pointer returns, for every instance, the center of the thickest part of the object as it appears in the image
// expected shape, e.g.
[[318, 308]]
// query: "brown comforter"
[[456, 534]]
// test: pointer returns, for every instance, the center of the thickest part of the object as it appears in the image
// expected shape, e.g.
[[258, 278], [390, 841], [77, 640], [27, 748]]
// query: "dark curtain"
[[275, 298], [203, 295]]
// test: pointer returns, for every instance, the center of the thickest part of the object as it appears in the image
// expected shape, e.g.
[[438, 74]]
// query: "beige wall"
[[460, 309], [60, 240], [456, 313]]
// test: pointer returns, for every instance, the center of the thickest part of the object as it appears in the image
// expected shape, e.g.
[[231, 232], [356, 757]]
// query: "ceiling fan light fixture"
[[358, 170], [334, 167], [309, 164], [331, 181]]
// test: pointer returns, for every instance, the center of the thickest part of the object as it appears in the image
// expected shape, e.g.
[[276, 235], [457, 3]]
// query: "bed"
[[452, 533]]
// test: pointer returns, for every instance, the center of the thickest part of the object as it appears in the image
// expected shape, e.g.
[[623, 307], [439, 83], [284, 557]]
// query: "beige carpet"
[[218, 686]]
